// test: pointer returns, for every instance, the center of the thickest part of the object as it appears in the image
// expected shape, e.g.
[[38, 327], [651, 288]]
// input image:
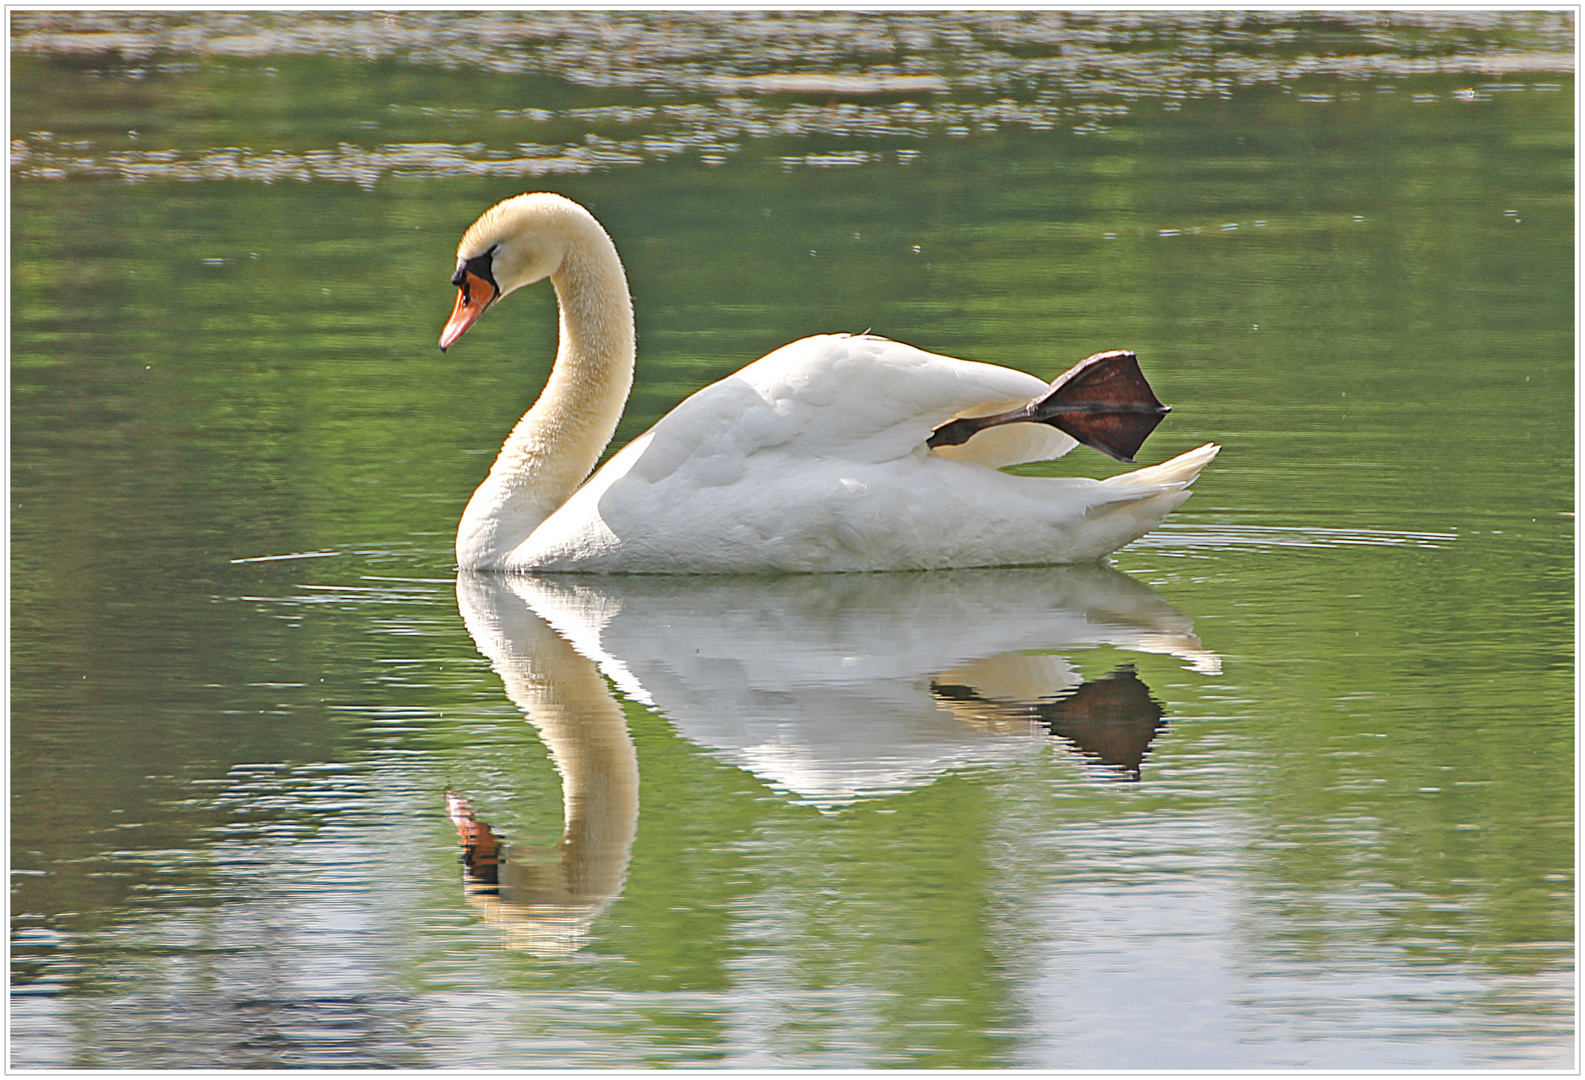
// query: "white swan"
[[825, 455]]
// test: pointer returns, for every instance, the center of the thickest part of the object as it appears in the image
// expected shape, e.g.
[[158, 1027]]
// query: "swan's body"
[[813, 458]]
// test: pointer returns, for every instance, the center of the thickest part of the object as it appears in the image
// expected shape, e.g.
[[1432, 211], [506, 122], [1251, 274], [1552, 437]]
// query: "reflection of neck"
[[566, 699], [581, 724]]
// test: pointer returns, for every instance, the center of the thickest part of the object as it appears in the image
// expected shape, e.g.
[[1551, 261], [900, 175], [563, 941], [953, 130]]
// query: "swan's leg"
[[1102, 401]]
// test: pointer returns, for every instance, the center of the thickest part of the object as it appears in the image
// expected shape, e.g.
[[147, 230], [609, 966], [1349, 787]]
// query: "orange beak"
[[474, 294]]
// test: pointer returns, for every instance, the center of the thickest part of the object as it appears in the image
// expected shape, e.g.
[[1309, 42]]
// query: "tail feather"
[[1139, 501], [1172, 474]]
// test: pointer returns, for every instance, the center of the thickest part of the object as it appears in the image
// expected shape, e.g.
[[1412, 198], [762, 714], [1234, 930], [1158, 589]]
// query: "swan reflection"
[[820, 685], [830, 688], [841, 686]]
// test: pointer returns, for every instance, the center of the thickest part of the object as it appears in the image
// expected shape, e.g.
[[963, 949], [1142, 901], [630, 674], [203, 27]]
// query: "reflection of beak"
[[474, 294]]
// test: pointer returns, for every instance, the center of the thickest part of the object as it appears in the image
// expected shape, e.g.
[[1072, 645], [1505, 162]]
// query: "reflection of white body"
[[820, 684], [813, 458]]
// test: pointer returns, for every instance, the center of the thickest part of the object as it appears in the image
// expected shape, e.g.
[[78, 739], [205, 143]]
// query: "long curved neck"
[[558, 441]]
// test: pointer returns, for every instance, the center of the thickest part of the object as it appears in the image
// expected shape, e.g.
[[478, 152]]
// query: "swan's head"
[[514, 243]]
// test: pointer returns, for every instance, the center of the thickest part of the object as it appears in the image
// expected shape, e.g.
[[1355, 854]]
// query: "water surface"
[[1288, 784]]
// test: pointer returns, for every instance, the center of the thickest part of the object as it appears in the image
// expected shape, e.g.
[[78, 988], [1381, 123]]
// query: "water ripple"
[[1265, 537]]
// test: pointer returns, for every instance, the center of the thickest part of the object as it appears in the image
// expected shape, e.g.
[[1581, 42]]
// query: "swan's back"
[[866, 398], [860, 399]]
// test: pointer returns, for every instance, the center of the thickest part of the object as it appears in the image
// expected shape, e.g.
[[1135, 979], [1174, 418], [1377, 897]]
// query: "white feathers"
[[812, 458]]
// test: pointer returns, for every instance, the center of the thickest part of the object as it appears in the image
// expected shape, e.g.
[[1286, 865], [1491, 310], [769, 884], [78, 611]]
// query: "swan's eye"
[[479, 266]]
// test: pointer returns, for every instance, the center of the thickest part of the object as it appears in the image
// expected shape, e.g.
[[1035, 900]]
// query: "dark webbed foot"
[[1103, 401]]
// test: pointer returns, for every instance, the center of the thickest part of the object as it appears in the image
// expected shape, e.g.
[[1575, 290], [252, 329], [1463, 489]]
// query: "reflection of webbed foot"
[[1112, 720]]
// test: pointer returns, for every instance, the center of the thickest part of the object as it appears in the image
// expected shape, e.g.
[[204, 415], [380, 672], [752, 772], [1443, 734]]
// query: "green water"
[[1342, 248]]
